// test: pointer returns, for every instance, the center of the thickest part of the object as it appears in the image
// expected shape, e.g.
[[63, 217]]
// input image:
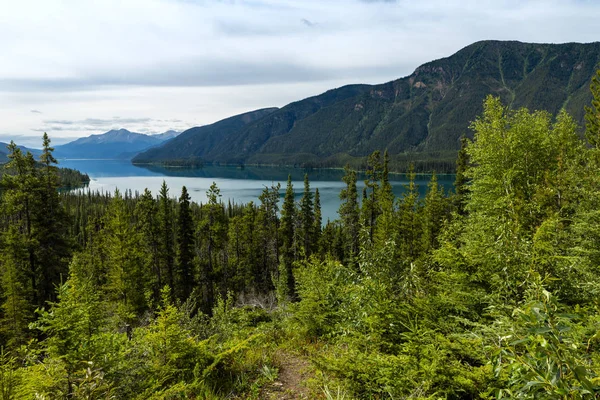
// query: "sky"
[[74, 68]]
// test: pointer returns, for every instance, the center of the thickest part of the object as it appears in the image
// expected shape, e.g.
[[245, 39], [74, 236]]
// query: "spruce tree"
[[318, 221], [371, 203], [16, 293], [435, 211], [460, 182], [268, 236], [21, 185], [167, 242], [53, 249], [146, 213], [349, 214], [185, 246], [409, 219], [287, 230], [307, 219]]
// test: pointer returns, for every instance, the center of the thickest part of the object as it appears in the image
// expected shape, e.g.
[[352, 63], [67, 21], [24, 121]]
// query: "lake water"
[[237, 185]]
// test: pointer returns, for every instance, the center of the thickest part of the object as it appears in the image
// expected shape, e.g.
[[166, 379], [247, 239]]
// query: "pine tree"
[[146, 213], [213, 234], [20, 186], [386, 226], [409, 222], [460, 183], [53, 248], [268, 237], [287, 230], [318, 221], [435, 211], [16, 294], [371, 203], [349, 214], [126, 283], [167, 241], [307, 219], [185, 245]]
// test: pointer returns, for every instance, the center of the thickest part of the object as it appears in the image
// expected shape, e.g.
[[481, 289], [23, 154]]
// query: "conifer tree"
[[16, 294], [146, 213], [126, 283], [435, 210], [268, 236], [460, 182], [53, 249], [213, 233], [167, 242], [287, 228], [20, 185], [318, 221], [307, 219], [349, 213], [371, 204], [409, 221], [185, 245]]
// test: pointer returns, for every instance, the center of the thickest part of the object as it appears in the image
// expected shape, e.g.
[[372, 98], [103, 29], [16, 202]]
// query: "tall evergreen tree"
[[126, 283], [371, 203], [318, 221], [213, 233], [268, 236], [349, 213], [460, 182], [53, 248], [287, 230], [307, 219], [409, 220], [167, 240], [20, 186], [146, 213], [435, 211], [185, 246], [16, 293]]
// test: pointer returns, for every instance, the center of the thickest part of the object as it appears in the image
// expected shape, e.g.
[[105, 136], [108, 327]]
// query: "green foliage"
[[544, 351], [413, 297]]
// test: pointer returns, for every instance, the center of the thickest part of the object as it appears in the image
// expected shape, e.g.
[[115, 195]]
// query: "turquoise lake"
[[236, 184]]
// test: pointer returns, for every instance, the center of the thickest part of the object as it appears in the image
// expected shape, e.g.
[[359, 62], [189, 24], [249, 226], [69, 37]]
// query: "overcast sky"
[[75, 68]]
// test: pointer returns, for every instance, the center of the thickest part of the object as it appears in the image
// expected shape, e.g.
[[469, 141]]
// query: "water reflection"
[[238, 185]]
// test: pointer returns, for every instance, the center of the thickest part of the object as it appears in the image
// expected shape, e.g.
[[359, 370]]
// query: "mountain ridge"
[[116, 143], [420, 115]]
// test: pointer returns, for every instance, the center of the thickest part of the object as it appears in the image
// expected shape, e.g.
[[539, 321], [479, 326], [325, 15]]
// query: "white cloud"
[[198, 61]]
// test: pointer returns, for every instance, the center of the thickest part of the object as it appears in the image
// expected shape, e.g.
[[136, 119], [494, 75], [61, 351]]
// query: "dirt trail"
[[290, 384]]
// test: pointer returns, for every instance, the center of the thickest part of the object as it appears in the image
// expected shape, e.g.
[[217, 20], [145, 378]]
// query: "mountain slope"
[[424, 113], [112, 144], [197, 143], [4, 151]]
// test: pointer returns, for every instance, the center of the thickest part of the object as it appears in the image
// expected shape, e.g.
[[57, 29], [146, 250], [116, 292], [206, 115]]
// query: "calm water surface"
[[236, 185]]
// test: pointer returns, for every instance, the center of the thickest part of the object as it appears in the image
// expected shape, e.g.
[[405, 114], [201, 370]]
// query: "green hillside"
[[417, 118]]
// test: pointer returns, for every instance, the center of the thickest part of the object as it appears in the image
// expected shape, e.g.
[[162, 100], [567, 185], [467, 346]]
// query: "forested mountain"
[[113, 144], [421, 116], [195, 144]]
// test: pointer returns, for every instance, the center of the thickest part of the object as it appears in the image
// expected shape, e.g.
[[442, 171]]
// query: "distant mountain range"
[[419, 116], [114, 144], [4, 151]]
